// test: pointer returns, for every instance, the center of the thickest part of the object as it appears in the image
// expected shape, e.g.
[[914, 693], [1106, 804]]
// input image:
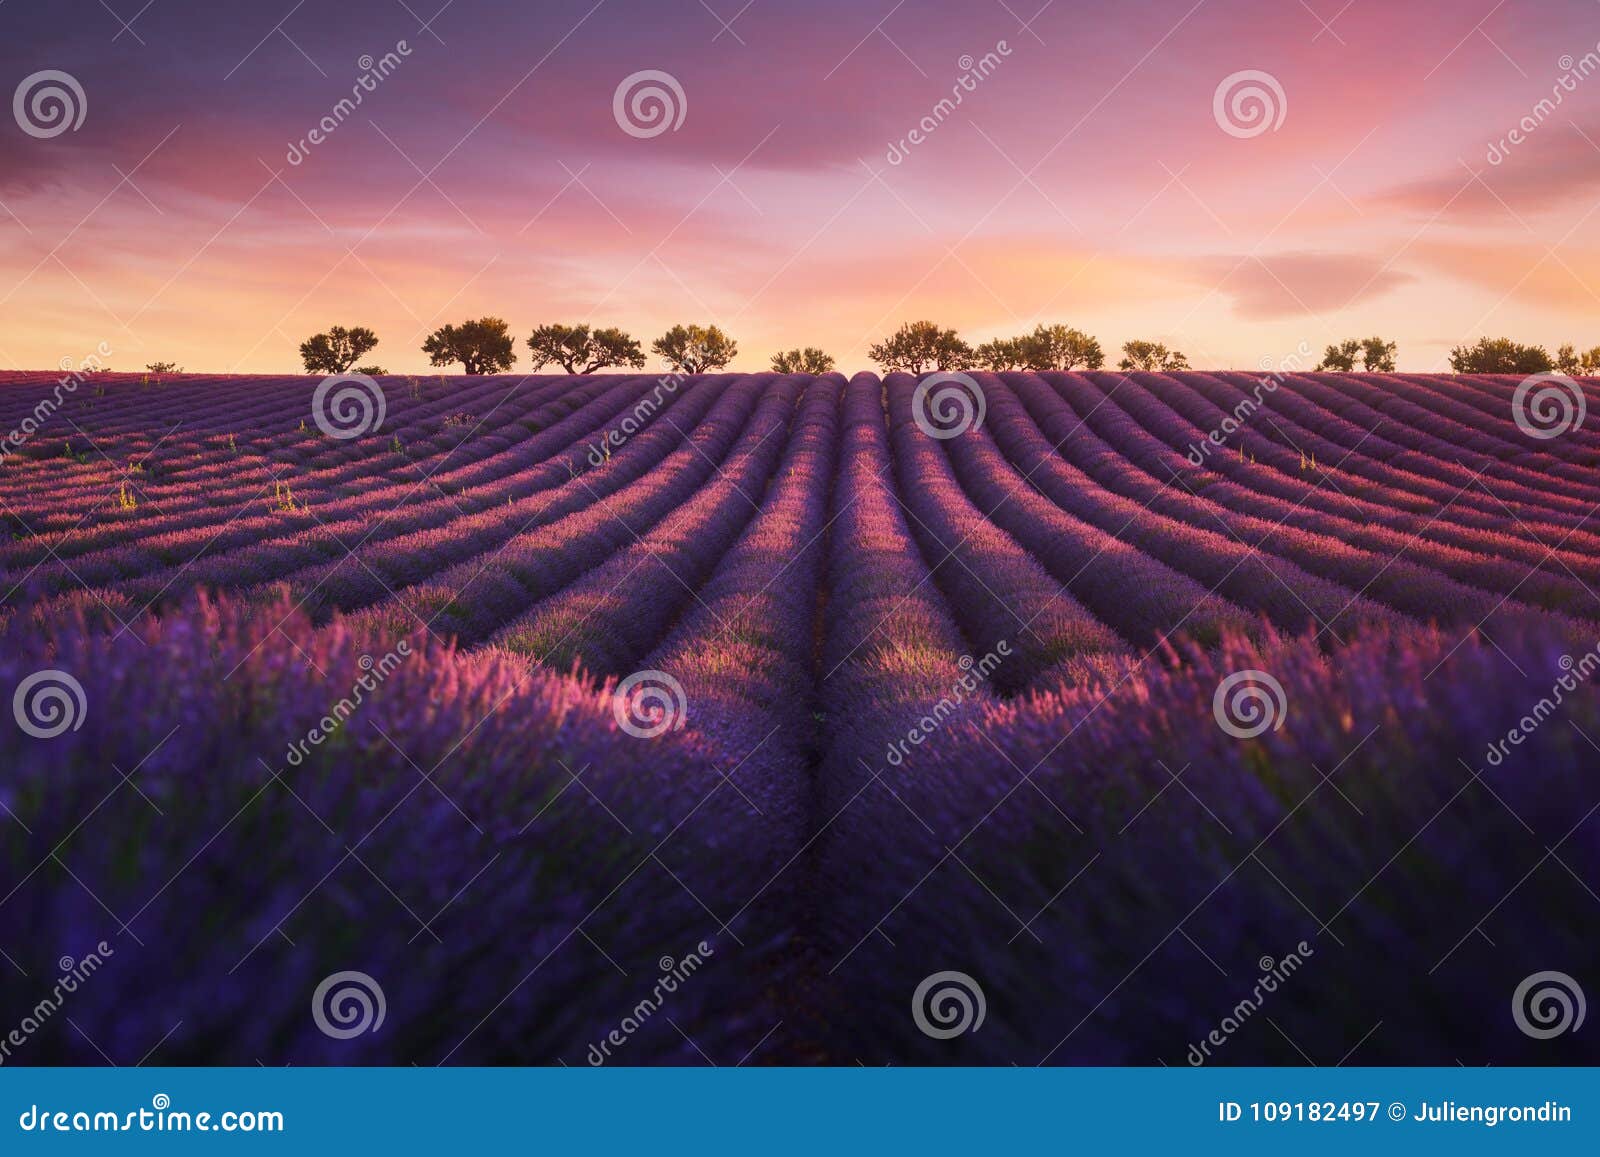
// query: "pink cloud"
[[1295, 284]]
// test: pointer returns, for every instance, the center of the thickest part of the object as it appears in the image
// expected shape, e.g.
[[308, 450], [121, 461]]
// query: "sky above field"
[[804, 185]]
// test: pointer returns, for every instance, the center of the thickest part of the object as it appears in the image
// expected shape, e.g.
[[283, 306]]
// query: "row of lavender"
[[937, 710], [512, 865], [365, 525]]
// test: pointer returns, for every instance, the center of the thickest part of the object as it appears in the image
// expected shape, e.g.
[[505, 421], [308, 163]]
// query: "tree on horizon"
[[919, 346], [1376, 356], [695, 349], [1151, 357], [1048, 347], [482, 346], [578, 349], [336, 350], [809, 360], [1570, 361], [1500, 355]]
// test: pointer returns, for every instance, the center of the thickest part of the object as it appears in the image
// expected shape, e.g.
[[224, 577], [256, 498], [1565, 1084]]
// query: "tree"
[[1004, 353], [371, 371], [337, 350], [1341, 358], [810, 360], [921, 345], [1500, 355], [483, 346], [174, 368], [1048, 347], [1377, 355], [1151, 357], [695, 349], [581, 350], [1056, 347], [1570, 361]]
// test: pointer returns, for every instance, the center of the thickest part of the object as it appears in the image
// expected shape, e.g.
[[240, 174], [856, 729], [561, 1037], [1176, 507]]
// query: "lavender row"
[[1048, 443], [430, 838], [1492, 561], [1407, 587], [469, 578], [999, 593], [1143, 599], [605, 622]]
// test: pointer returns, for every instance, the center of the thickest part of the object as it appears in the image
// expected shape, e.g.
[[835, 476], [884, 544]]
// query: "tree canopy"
[[482, 346], [919, 346], [1375, 354], [810, 360], [1571, 361], [1500, 355], [335, 351], [578, 349], [1048, 347], [1152, 357], [695, 349]]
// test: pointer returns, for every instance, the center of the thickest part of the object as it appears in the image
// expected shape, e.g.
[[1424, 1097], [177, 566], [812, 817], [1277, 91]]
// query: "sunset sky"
[[1085, 179]]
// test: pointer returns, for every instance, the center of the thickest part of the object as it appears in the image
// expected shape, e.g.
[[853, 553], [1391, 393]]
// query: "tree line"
[[485, 346]]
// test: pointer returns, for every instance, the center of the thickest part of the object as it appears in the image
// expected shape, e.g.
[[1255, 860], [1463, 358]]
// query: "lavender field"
[[1094, 718]]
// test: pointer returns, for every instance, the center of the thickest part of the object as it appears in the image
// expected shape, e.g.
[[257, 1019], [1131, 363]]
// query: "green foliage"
[[810, 360], [1059, 347], [1341, 358], [1048, 347], [1500, 355], [1375, 354], [482, 346], [337, 350], [919, 346], [695, 349], [1152, 357], [581, 350], [164, 368], [1378, 355], [1003, 353], [1570, 361], [372, 371]]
